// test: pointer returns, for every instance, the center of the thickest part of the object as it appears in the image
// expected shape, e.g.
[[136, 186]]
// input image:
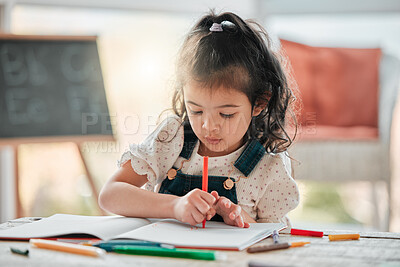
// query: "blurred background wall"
[[138, 43]]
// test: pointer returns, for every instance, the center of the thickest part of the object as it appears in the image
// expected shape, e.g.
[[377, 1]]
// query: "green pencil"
[[207, 255]]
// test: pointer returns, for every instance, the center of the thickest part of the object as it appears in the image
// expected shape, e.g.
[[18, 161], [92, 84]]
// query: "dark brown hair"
[[240, 57]]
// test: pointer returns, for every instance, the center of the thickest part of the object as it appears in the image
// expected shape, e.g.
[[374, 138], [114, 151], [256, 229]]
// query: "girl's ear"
[[261, 104], [257, 110]]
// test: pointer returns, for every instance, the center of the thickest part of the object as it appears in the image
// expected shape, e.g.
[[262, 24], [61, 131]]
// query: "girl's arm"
[[122, 195]]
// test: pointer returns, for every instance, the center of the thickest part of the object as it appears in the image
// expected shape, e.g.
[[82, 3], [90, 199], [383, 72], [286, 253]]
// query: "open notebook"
[[216, 235]]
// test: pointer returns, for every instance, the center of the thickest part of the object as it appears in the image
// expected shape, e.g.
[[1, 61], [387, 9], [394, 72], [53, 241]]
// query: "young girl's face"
[[219, 117]]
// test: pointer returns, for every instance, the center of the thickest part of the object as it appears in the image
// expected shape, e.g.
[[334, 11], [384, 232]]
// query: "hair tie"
[[217, 27]]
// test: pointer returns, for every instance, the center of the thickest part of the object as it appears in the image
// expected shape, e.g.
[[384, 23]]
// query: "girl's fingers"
[[236, 219], [215, 194], [239, 221], [210, 214], [197, 216], [201, 206], [227, 203], [236, 211], [209, 198], [234, 214]]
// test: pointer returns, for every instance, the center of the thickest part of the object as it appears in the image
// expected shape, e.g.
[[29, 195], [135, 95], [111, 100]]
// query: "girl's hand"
[[194, 207], [230, 212]]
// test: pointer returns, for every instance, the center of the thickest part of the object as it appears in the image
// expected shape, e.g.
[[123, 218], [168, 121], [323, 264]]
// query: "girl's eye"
[[227, 116], [195, 112]]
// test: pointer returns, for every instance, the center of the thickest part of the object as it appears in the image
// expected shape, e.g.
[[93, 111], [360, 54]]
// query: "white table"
[[373, 249]]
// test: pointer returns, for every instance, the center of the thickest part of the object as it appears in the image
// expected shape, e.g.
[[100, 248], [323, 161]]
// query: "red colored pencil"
[[306, 232], [205, 180]]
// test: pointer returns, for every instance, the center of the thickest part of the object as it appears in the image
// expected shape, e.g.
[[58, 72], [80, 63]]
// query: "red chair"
[[348, 99]]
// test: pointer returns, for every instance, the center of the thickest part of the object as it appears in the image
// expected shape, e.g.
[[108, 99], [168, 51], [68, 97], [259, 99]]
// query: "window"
[[137, 52]]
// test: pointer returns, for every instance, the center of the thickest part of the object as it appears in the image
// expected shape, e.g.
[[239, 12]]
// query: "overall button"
[[171, 174], [228, 184]]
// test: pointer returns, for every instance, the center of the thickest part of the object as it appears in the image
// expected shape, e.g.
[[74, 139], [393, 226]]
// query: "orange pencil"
[[205, 180], [67, 247], [344, 237]]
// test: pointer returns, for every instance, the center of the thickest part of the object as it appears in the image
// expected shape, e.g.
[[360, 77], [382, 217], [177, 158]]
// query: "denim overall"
[[184, 183]]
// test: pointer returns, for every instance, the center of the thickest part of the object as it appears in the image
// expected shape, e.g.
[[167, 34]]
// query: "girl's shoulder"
[[277, 162], [167, 130], [158, 152]]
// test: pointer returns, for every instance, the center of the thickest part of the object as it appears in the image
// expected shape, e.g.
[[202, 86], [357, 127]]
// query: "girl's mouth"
[[213, 141]]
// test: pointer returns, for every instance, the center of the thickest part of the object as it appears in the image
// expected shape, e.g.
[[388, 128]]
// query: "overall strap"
[[189, 141], [251, 155]]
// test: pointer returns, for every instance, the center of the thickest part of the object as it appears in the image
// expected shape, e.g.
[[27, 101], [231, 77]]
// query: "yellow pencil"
[[67, 247], [344, 237]]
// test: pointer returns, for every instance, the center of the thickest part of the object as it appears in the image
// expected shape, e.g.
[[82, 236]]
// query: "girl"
[[231, 103]]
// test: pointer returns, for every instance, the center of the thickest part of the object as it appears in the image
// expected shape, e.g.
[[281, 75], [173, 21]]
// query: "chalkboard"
[[52, 86]]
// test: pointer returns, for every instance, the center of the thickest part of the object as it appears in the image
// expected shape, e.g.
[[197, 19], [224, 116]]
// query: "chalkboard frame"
[[78, 139]]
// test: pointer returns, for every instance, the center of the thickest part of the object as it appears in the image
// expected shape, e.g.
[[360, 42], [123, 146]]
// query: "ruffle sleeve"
[[157, 153]]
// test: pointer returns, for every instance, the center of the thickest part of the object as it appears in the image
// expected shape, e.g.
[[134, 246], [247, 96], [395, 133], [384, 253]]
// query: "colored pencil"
[[344, 237], [205, 179], [166, 252], [67, 247], [264, 248], [306, 232]]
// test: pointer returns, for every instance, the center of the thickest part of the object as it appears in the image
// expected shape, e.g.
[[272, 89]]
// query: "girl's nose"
[[209, 124]]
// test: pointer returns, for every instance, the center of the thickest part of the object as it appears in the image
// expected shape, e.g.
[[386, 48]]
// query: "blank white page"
[[214, 235], [103, 227]]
